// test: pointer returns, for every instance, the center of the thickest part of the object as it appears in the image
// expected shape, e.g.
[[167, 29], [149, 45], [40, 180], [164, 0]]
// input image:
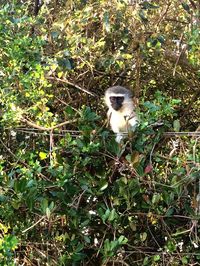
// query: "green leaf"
[[176, 125], [184, 260], [146, 261], [169, 212], [147, 5], [107, 245], [79, 247], [104, 185], [186, 7], [143, 236], [143, 17], [106, 215], [65, 63], [156, 198], [122, 240], [112, 215], [54, 34], [156, 257], [44, 205], [161, 39], [48, 212], [114, 245]]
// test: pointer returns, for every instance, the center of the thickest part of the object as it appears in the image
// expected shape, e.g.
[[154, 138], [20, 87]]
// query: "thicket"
[[69, 195]]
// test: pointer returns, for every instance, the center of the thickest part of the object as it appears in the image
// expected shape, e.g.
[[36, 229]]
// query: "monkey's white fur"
[[125, 119]]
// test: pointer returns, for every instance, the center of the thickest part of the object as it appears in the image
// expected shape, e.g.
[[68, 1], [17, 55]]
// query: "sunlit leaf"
[[42, 155]]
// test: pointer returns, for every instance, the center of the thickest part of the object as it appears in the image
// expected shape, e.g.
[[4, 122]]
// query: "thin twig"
[[192, 134], [51, 142], [163, 14], [78, 199], [72, 84], [151, 154], [178, 58], [67, 104], [119, 262], [153, 235], [158, 216], [27, 229], [30, 132], [101, 244]]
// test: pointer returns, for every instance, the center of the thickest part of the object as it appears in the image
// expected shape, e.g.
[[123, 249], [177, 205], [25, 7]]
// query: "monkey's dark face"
[[116, 102]]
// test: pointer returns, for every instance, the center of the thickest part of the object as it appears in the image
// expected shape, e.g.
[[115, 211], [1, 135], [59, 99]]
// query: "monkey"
[[121, 114]]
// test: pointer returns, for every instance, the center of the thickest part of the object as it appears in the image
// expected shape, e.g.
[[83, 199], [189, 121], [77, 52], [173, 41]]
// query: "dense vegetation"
[[69, 195]]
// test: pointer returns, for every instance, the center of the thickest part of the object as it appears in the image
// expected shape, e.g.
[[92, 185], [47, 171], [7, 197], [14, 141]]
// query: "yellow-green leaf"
[[60, 74], [43, 155]]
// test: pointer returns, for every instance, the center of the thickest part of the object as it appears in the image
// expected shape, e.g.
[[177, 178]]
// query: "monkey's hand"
[[133, 122]]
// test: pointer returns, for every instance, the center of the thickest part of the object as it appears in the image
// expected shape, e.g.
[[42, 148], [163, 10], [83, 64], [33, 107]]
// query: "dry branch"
[[72, 84], [32, 124]]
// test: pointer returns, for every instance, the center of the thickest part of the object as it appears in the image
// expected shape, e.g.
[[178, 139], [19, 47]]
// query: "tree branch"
[[72, 84], [32, 124]]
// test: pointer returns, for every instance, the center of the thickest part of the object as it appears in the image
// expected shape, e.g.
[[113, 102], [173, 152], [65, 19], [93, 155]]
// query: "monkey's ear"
[[135, 101]]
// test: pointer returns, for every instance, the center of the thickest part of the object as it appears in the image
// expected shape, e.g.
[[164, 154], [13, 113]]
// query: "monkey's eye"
[[113, 99], [120, 99], [116, 99]]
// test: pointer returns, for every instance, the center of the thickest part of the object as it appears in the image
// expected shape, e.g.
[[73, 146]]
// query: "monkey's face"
[[116, 102]]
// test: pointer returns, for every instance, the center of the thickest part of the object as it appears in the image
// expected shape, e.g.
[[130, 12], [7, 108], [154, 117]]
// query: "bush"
[[69, 194]]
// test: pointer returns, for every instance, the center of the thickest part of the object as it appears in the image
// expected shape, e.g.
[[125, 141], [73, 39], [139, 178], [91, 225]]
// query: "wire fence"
[[77, 133]]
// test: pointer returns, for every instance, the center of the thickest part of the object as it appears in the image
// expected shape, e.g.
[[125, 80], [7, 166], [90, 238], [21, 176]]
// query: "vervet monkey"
[[121, 113]]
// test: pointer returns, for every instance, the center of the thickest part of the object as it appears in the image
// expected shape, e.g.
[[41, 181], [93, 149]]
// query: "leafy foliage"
[[69, 194]]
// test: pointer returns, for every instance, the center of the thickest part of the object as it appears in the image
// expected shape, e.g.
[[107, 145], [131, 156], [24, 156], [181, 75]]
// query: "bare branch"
[[27, 229], [72, 84], [192, 134], [32, 124]]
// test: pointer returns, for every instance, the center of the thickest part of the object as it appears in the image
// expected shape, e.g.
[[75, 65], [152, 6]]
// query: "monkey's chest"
[[119, 122]]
